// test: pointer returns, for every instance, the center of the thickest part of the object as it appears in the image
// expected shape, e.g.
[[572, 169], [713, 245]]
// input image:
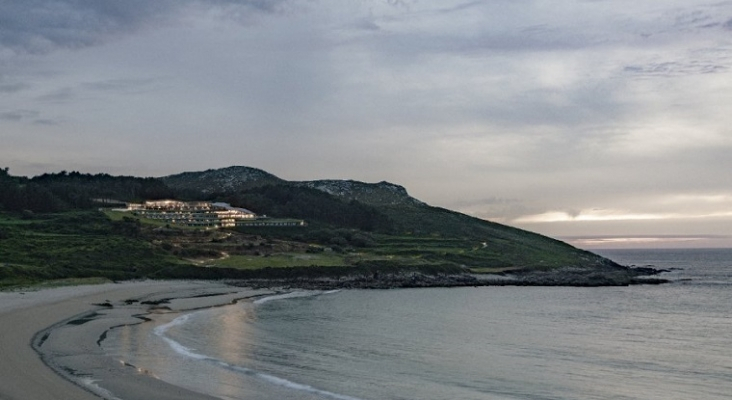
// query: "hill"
[[357, 235], [386, 208], [375, 194], [220, 180]]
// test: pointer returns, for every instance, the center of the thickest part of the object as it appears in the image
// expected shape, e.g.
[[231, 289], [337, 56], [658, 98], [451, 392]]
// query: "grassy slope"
[[74, 245], [351, 225], [402, 228], [92, 244], [491, 245]]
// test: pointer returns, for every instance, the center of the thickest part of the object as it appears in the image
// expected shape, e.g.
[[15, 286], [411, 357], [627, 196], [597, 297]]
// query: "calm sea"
[[671, 341]]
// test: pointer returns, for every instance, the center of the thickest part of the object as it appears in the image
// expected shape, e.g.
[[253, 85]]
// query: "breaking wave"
[[161, 330]]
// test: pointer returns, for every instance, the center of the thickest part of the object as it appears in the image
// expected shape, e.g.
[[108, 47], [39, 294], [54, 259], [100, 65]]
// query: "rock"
[[569, 276]]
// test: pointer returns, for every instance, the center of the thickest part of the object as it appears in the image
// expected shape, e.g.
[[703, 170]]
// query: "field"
[[73, 245], [114, 246]]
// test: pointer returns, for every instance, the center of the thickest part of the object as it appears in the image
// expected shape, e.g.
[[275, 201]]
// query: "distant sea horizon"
[[649, 242]]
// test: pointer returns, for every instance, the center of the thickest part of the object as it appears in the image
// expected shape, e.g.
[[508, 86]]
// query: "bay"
[[669, 341]]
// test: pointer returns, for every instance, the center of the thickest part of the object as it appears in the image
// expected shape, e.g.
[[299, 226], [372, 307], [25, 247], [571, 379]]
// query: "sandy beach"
[[48, 338]]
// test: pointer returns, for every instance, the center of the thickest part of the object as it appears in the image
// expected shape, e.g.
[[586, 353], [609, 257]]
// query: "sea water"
[[671, 341]]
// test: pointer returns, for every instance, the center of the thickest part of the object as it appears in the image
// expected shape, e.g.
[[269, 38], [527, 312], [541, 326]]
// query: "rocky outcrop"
[[237, 178], [229, 179], [599, 276], [579, 277], [375, 194]]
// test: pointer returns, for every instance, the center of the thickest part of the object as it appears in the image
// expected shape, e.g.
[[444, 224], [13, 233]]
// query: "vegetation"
[[281, 260], [74, 245], [65, 191], [51, 229], [289, 201]]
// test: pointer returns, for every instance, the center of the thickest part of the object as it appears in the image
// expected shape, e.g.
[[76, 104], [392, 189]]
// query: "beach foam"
[[40, 318], [185, 351]]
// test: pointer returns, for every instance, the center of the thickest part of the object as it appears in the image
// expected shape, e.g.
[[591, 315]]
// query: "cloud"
[[40, 26], [698, 198], [59, 95], [585, 216], [18, 115], [122, 86], [462, 7], [483, 202], [502, 109], [366, 24], [641, 241], [672, 68], [702, 60], [614, 215], [46, 121], [27, 116], [110, 87], [13, 87]]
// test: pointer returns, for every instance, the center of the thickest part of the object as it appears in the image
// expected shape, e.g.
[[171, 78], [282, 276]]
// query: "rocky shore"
[[605, 276], [569, 276]]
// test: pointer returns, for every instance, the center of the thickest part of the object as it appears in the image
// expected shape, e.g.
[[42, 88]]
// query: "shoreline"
[[51, 338], [376, 279]]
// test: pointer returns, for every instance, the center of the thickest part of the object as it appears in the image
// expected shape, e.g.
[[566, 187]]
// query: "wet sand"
[[49, 338]]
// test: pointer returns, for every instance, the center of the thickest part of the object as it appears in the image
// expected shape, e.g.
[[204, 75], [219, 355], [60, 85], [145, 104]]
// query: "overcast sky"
[[605, 123]]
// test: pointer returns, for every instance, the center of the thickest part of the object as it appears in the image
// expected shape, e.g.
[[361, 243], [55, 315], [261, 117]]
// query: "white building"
[[192, 213]]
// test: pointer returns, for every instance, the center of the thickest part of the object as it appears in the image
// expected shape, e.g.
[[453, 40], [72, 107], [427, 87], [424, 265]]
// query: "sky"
[[605, 123]]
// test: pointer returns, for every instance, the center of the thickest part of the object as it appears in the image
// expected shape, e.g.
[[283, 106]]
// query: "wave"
[[159, 330], [286, 383], [91, 385], [293, 295], [191, 353]]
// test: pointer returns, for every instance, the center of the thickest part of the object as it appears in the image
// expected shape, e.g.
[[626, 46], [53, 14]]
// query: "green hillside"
[[387, 209], [51, 228]]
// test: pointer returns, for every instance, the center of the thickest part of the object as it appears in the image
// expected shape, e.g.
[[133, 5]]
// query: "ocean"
[[671, 341]]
